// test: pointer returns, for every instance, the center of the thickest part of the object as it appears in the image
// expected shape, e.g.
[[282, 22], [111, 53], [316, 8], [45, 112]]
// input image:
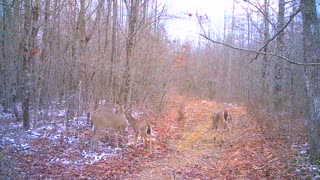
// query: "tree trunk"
[[278, 68], [26, 65], [266, 63], [133, 16], [112, 83], [3, 83], [312, 74]]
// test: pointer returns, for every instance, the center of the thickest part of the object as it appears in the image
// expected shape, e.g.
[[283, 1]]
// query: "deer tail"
[[149, 129]]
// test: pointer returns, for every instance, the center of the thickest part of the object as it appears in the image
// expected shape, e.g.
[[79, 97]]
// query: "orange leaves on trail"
[[194, 156], [252, 155]]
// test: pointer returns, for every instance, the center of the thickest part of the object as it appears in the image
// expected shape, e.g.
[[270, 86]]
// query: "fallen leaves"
[[179, 151]]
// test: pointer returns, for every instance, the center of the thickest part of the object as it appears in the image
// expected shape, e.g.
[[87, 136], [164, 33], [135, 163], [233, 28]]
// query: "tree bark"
[[3, 83], [26, 65], [113, 50], [133, 16], [311, 51], [278, 68], [266, 61]]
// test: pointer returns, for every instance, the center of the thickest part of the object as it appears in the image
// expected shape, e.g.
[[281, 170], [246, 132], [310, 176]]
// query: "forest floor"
[[181, 149]]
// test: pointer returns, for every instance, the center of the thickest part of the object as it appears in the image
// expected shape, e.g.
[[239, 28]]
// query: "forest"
[[99, 89]]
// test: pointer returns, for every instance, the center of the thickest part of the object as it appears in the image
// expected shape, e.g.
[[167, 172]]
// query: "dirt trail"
[[183, 150], [197, 155]]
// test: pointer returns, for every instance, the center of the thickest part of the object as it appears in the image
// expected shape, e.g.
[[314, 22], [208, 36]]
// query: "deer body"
[[105, 120], [220, 121], [141, 127]]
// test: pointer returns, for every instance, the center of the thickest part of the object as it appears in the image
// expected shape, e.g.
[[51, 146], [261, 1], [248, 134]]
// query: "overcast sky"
[[187, 27]]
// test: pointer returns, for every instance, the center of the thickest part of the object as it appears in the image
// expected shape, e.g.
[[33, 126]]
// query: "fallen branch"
[[269, 162]]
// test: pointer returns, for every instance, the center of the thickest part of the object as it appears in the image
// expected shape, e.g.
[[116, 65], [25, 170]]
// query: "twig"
[[279, 31], [269, 162]]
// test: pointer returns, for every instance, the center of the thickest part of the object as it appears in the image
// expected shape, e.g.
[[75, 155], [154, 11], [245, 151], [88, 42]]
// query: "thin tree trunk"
[[3, 83], [133, 16], [228, 51], [278, 71], [266, 63], [26, 65], [113, 50]]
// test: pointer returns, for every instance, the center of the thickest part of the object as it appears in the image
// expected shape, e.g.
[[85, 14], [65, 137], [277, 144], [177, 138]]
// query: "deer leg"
[[150, 144], [95, 137], [136, 139], [117, 138], [123, 135], [144, 141]]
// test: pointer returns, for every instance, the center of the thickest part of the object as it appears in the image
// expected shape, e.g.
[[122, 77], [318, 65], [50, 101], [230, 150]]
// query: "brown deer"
[[102, 120], [220, 121], [181, 114], [142, 127]]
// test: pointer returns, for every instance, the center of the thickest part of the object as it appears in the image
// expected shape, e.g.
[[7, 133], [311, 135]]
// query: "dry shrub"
[[280, 125]]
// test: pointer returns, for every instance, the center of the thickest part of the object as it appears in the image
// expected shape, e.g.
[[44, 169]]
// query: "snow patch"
[[92, 158], [12, 141], [25, 146], [136, 114], [4, 115], [15, 125], [230, 104], [56, 137], [62, 113], [72, 139], [35, 134], [303, 152]]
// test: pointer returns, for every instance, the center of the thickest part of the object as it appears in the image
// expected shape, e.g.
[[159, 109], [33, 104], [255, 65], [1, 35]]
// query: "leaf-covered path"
[[245, 153], [182, 150]]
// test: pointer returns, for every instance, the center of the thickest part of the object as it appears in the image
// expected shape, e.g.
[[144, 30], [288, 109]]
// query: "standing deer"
[[102, 119], [220, 121], [142, 127]]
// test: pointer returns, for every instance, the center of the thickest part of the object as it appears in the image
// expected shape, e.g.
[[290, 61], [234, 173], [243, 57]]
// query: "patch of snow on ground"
[[4, 115], [230, 104], [35, 134], [136, 114], [12, 141], [15, 125], [65, 136], [91, 158], [62, 113], [305, 169], [25, 146]]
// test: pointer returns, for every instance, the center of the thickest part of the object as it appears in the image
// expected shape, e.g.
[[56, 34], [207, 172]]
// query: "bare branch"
[[279, 31], [259, 52], [260, 9]]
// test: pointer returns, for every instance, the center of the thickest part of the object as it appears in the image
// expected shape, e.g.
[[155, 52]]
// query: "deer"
[[102, 120], [220, 121], [181, 114], [140, 127]]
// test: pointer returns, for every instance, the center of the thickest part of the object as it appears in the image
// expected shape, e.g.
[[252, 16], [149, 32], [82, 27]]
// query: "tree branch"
[[279, 31], [259, 52]]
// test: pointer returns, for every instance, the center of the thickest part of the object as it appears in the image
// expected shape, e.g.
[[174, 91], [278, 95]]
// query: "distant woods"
[[73, 54], [76, 53]]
